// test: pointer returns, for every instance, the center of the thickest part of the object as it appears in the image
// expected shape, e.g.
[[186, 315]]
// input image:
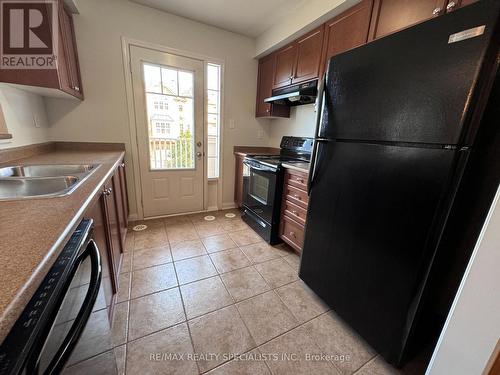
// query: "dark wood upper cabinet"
[[265, 88], [64, 79], [390, 16], [454, 5], [308, 56], [285, 66]]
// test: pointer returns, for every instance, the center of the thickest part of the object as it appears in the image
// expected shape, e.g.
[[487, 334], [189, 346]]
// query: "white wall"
[[473, 325], [102, 116], [300, 124], [20, 108]]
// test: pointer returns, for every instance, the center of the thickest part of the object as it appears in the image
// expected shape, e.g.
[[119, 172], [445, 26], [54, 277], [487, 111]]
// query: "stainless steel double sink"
[[42, 181]]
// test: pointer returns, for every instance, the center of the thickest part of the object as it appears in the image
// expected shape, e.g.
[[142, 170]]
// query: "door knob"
[[198, 143], [198, 154]]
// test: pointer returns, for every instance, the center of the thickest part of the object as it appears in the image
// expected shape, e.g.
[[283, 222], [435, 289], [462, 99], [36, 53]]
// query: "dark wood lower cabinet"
[[110, 217]]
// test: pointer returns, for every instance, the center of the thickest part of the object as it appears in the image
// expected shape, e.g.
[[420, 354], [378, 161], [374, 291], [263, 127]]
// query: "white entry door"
[[169, 106]]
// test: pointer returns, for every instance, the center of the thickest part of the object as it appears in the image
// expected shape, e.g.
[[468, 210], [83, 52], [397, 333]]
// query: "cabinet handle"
[[122, 165], [295, 213], [267, 110], [299, 179], [436, 12], [293, 234], [76, 88], [107, 191], [450, 6], [297, 196]]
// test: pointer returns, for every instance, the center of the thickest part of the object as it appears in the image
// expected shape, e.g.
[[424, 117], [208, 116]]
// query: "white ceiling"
[[247, 17]]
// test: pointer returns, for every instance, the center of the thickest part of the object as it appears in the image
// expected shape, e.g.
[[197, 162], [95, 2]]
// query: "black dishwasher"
[[47, 338]]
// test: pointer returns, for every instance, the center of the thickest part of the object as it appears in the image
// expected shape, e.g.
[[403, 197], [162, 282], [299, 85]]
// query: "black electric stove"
[[263, 185]]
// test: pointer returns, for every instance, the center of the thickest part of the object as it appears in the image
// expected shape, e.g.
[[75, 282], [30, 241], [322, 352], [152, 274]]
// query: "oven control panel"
[[297, 144]]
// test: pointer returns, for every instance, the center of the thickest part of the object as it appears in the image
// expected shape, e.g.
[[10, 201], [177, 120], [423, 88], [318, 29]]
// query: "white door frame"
[[126, 43]]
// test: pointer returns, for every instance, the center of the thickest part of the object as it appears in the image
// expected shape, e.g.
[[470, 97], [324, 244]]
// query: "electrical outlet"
[[260, 134], [35, 121], [232, 123]]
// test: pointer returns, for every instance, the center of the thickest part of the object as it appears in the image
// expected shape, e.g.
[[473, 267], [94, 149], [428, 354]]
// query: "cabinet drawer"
[[296, 179], [297, 213], [296, 196], [292, 233]]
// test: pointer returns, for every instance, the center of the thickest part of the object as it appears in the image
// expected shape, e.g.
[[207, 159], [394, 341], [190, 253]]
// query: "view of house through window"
[[213, 118], [170, 111]]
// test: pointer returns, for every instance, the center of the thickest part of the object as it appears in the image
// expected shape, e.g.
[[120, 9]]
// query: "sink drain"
[[209, 218], [139, 228]]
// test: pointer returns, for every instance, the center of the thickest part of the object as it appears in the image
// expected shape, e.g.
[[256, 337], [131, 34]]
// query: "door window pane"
[[213, 77], [213, 119], [152, 78], [171, 120]]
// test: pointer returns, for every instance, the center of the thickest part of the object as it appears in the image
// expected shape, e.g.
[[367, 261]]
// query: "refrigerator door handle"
[[319, 116], [314, 161]]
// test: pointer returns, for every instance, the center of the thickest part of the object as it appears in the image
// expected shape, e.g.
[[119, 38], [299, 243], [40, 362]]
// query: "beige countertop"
[[33, 231], [301, 166]]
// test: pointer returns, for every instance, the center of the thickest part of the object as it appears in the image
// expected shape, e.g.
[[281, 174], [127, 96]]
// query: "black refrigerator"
[[405, 164]]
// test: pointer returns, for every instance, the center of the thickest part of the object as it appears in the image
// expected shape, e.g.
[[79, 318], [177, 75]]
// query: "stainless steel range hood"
[[304, 93]]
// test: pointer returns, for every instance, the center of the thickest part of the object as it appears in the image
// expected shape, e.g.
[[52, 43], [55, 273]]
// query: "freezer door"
[[413, 86], [372, 211]]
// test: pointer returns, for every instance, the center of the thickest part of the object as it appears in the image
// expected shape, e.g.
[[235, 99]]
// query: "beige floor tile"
[[151, 257], [193, 269], [229, 260], [153, 279], [245, 237], [126, 262], [95, 339], [336, 338], [181, 232], [221, 213], [129, 241], [120, 324], [121, 356], [208, 229], [154, 312], [187, 249], [293, 260], [103, 364], [176, 220], [266, 316], [378, 366], [154, 237], [244, 283], [233, 225], [277, 272], [174, 340], [250, 363], [260, 252], [301, 301], [218, 243], [297, 355], [222, 333], [204, 296], [123, 287]]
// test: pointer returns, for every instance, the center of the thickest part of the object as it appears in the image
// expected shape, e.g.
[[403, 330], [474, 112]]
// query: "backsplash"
[[300, 124]]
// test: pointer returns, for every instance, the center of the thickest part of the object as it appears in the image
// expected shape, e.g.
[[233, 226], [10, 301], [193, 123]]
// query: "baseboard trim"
[[228, 205], [133, 217]]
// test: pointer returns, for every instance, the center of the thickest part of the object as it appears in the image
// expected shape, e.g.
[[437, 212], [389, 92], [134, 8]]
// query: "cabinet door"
[[120, 212], [348, 30], [109, 279], [308, 56], [390, 16], [264, 90], [285, 66], [238, 180], [112, 226], [456, 4], [70, 79]]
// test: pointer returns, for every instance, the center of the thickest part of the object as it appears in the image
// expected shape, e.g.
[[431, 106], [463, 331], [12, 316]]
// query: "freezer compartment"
[[413, 86], [373, 216]]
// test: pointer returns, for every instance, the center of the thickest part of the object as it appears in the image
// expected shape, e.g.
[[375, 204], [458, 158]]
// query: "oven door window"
[[259, 187]]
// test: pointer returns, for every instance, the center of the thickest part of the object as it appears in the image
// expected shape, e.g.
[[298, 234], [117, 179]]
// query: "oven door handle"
[[262, 169], [63, 353]]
